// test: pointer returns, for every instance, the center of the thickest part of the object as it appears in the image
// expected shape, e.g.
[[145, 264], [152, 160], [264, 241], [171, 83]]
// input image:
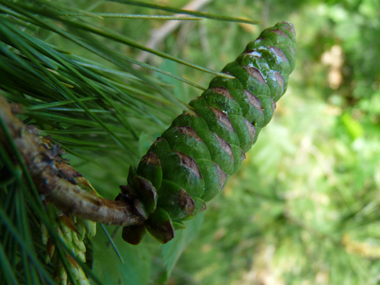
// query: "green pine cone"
[[193, 159]]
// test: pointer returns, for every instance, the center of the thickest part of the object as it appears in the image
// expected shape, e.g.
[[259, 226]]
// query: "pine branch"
[[54, 177]]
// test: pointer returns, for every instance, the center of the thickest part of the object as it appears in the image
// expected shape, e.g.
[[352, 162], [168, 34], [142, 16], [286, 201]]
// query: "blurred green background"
[[304, 207]]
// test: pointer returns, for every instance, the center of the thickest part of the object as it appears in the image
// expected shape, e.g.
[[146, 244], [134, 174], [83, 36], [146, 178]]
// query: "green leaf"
[[353, 127], [179, 90], [195, 13], [108, 267], [172, 251], [131, 16]]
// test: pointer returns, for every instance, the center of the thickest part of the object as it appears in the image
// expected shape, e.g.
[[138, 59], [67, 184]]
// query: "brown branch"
[[58, 182]]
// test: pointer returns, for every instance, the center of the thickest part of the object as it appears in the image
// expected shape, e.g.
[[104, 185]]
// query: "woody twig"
[[57, 181]]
